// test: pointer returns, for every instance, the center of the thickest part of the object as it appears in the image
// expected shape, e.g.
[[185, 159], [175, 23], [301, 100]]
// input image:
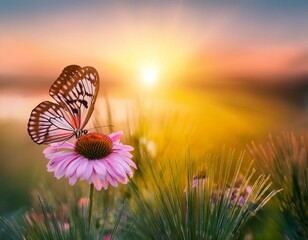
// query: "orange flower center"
[[93, 146]]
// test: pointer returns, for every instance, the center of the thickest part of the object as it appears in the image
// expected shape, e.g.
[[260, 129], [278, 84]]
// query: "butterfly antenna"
[[109, 126]]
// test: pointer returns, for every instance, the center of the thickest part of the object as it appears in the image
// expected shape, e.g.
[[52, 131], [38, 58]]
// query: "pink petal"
[[72, 179], [71, 168], [126, 148], [114, 166], [59, 158], [122, 153], [116, 136], [100, 169], [126, 168], [111, 180], [123, 180], [97, 184], [58, 147], [105, 184], [49, 150], [88, 172], [110, 171], [61, 168], [123, 159], [81, 168]]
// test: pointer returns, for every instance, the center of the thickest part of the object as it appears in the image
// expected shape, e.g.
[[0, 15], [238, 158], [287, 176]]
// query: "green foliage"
[[177, 197], [286, 159], [61, 222], [203, 199]]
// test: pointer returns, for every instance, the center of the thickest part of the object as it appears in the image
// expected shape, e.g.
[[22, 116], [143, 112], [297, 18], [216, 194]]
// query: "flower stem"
[[91, 203]]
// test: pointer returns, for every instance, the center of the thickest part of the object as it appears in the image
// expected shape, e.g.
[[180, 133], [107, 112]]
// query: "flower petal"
[[125, 148], [111, 180], [100, 169], [72, 179], [71, 168], [88, 172], [62, 166], [116, 167], [82, 168], [97, 184], [116, 136], [124, 159]]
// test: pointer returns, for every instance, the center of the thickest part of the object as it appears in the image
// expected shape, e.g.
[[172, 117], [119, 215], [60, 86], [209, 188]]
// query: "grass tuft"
[[286, 159], [207, 198]]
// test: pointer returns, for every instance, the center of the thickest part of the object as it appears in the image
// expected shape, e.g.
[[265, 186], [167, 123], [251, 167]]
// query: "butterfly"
[[75, 93]]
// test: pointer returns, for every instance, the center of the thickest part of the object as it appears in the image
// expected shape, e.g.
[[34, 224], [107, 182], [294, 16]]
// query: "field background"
[[200, 120], [225, 74]]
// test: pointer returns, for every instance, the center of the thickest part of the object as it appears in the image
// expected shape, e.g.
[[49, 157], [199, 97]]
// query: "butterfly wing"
[[76, 90], [48, 123]]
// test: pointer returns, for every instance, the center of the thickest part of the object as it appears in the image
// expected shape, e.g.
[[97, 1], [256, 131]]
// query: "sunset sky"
[[190, 40]]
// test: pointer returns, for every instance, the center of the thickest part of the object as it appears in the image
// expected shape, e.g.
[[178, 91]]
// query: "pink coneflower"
[[95, 157]]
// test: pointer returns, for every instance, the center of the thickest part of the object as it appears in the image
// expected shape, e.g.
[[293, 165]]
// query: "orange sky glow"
[[184, 41]]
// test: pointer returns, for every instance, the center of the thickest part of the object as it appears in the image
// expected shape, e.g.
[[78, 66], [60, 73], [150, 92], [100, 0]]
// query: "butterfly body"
[[75, 93], [79, 132]]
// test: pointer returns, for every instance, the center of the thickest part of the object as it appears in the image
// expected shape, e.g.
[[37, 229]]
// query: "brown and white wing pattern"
[[49, 123], [76, 90]]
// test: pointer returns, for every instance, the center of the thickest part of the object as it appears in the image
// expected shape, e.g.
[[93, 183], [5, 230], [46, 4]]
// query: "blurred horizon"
[[188, 40]]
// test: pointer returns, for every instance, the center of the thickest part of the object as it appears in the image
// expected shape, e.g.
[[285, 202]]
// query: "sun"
[[149, 74]]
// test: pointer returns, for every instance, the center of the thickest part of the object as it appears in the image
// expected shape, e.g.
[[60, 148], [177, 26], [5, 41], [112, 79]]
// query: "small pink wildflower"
[[94, 157], [243, 194], [198, 180], [64, 226], [107, 236], [83, 202]]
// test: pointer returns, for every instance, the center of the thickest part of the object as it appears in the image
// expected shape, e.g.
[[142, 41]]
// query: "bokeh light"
[[149, 74]]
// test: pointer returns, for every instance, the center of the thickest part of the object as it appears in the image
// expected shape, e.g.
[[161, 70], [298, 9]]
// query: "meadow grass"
[[202, 199], [178, 191], [285, 157]]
